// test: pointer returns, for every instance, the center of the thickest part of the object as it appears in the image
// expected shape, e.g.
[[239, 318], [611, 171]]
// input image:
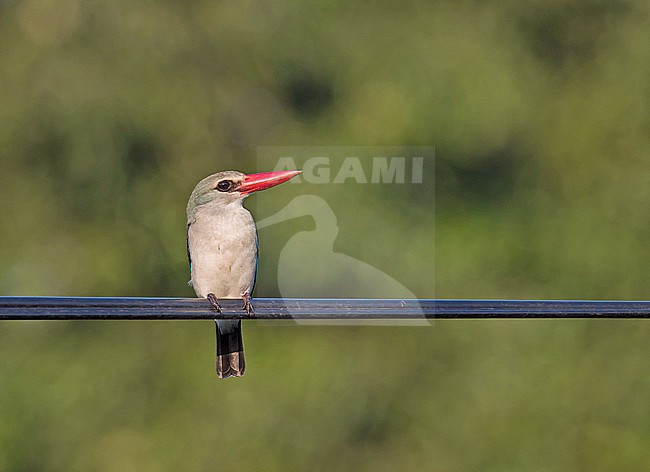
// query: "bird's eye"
[[224, 185]]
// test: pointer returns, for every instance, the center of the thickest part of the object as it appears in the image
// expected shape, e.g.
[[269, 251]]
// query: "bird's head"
[[228, 187]]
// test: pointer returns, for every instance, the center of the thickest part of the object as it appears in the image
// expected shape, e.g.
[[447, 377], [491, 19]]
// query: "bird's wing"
[[189, 255], [257, 260], [187, 243]]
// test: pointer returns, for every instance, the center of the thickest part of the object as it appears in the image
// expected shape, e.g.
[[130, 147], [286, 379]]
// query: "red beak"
[[263, 180]]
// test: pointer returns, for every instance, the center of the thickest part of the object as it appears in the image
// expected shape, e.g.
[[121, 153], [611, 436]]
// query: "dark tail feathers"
[[230, 353]]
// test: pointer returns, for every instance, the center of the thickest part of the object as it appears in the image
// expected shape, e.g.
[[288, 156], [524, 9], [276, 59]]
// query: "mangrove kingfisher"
[[222, 251]]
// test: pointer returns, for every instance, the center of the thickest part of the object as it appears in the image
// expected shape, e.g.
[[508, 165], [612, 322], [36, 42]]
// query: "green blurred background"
[[110, 112]]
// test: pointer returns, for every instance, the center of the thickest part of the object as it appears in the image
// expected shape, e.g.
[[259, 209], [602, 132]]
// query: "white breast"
[[223, 249]]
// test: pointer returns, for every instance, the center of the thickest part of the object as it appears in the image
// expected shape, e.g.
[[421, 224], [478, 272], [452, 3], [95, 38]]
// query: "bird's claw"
[[248, 306], [213, 301]]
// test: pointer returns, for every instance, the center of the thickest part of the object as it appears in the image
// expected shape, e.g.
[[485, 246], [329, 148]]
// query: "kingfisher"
[[222, 251]]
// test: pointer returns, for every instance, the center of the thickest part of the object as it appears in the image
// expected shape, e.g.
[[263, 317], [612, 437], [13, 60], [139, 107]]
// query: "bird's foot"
[[248, 306], [213, 301]]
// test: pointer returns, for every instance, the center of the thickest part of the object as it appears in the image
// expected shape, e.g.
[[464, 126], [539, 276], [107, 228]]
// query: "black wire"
[[119, 308]]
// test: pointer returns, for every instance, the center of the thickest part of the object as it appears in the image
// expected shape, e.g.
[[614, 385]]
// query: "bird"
[[222, 251]]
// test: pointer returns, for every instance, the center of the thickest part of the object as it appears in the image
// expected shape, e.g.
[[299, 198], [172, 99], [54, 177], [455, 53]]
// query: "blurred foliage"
[[539, 112]]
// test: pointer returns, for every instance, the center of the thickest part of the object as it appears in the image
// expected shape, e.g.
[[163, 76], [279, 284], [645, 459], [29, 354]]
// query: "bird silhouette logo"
[[330, 274]]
